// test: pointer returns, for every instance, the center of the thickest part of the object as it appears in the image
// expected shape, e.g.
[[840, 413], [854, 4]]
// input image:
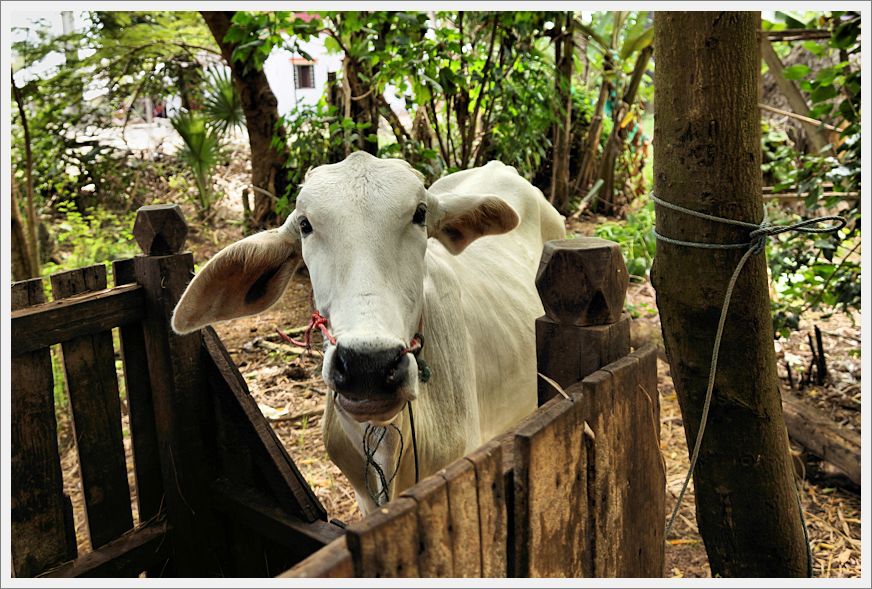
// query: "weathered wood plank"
[[78, 316], [464, 524], [435, 556], [261, 513], [385, 543], [629, 497], [569, 353], [332, 562], [183, 415], [89, 365], [647, 356], [143, 433], [493, 525], [286, 482], [552, 533], [134, 552], [40, 536]]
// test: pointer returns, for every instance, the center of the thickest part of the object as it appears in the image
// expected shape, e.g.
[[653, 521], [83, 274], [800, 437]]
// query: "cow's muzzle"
[[369, 382]]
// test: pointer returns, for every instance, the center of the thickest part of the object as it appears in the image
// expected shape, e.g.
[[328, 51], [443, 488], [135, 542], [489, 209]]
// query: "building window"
[[304, 75]]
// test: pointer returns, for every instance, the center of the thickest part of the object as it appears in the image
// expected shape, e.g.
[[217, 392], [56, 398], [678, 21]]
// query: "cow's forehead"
[[361, 180]]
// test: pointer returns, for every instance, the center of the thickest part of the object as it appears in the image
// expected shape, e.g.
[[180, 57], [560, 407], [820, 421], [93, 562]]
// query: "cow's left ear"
[[460, 219]]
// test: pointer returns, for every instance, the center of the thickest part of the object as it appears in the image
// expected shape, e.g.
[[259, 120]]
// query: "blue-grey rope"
[[758, 236]]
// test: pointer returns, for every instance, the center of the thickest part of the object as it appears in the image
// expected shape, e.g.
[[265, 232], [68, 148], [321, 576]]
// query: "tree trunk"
[[564, 50], [263, 123], [33, 245], [707, 158], [22, 261], [615, 142]]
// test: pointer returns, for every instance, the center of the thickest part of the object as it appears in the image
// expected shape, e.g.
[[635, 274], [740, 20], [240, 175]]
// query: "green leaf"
[[796, 72], [634, 44], [822, 93]]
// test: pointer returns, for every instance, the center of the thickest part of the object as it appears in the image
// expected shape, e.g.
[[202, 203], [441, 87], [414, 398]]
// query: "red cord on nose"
[[317, 321]]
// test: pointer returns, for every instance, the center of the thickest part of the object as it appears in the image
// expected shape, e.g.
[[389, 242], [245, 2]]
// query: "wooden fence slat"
[[435, 557], [385, 543], [183, 414], [41, 536], [89, 365], [286, 482], [143, 433], [647, 467], [647, 356], [630, 483], [78, 316], [332, 562], [552, 536], [493, 525], [463, 511], [138, 550]]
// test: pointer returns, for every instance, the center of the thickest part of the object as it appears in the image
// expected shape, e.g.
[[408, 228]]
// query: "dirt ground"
[[288, 387]]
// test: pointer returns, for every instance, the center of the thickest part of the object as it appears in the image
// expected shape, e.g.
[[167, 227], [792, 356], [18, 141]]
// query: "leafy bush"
[[96, 237], [201, 150], [222, 105], [636, 238]]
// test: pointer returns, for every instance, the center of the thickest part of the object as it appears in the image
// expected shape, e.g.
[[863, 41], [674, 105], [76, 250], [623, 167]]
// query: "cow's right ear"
[[242, 279]]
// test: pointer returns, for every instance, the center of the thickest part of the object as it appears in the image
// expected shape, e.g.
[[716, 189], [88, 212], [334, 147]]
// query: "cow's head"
[[361, 226]]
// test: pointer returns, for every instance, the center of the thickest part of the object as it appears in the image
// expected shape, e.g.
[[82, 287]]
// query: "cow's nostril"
[[396, 372]]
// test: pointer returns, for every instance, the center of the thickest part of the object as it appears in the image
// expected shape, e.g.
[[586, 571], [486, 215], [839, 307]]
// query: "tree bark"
[[564, 50], [33, 245], [263, 123], [22, 261], [707, 158]]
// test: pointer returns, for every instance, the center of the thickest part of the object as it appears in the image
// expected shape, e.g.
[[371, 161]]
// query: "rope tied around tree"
[[758, 235]]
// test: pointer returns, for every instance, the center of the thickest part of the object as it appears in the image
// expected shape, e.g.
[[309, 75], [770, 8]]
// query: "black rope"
[[380, 497], [414, 439]]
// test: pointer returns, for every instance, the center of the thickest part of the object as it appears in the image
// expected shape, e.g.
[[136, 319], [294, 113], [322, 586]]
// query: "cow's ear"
[[460, 219], [242, 279]]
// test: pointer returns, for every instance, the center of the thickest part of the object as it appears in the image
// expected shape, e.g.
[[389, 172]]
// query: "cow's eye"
[[305, 226], [420, 216]]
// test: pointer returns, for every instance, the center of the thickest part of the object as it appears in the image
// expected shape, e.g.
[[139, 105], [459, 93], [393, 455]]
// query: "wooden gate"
[[576, 489], [216, 493]]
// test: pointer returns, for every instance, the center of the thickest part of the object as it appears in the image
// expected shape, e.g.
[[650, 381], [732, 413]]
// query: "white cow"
[[388, 258]]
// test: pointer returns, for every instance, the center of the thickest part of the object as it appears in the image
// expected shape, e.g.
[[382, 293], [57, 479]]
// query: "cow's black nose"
[[364, 373]]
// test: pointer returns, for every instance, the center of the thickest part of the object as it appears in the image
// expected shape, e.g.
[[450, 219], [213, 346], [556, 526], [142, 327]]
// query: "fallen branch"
[[816, 432]]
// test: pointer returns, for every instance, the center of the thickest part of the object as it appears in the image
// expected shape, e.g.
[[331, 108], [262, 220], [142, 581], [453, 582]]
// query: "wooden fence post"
[[181, 408], [582, 284]]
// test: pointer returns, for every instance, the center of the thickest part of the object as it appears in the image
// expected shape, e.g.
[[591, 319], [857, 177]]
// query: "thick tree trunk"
[[263, 123], [564, 50], [707, 158]]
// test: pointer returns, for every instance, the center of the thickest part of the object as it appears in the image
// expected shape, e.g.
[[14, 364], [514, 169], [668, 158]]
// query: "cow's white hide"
[[374, 273]]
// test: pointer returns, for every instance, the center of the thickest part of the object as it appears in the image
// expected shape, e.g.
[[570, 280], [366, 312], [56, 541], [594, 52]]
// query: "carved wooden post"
[[181, 408], [582, 284]]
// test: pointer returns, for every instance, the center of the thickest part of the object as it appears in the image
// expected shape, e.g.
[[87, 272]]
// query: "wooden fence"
[[576, 489]]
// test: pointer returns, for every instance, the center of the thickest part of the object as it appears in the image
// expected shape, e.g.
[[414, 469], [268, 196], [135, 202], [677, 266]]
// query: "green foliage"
[[201, 150], [222, 105], [96, 237], [636, 238], [821, 274]]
